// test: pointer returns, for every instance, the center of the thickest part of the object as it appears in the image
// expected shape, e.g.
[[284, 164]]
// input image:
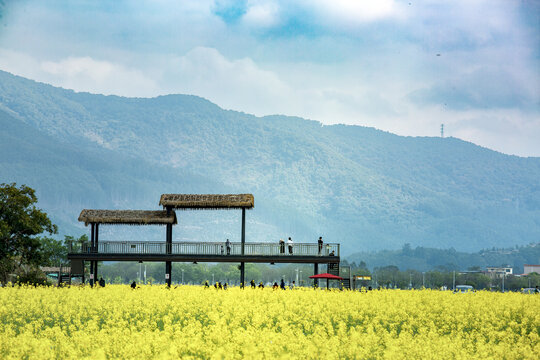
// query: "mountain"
[[362, 187]]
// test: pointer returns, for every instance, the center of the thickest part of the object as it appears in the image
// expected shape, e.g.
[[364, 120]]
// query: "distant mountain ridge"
[[365, 188]]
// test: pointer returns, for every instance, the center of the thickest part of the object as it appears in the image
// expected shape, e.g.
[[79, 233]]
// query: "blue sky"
[[400, 66]]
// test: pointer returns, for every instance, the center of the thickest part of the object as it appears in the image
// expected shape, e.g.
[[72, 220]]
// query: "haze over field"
[[365, 188]]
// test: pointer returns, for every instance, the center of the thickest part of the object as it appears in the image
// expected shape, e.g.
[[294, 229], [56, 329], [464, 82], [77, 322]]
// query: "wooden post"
[[315, 272], [96, 243], [83, 267], [242, 265], [168, 245], [92, 280]]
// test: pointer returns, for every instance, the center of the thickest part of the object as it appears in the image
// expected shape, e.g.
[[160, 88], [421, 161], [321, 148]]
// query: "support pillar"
[[242, 265], [168, 245], [96, 246], [316, 272], [92, 247], [83, 268]]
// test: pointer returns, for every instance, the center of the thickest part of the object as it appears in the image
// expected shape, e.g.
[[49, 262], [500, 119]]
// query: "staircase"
[[65, 279], [343, 271], [333, 268]]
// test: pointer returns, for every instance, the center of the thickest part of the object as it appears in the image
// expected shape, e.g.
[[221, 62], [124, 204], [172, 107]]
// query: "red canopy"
[[326, 276]]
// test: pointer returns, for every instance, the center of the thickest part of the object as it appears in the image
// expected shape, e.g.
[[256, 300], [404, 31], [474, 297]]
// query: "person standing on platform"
[[320, 244], [290, 243], [281, 246], [228, 246]]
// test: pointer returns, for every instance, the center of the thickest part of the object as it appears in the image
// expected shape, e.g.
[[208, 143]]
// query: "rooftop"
[[127, 217], [207, 201]]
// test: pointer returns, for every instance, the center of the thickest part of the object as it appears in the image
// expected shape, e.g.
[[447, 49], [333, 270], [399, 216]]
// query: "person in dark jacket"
[[282, 286]]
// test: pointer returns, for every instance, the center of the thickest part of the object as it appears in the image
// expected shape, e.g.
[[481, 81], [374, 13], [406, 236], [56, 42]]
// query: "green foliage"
[[20, 222]]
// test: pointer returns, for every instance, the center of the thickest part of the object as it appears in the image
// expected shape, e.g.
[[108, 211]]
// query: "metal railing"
[[208, 248]]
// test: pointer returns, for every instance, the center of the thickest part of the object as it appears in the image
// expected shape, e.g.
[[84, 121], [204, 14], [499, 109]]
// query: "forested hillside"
[[365, 188]]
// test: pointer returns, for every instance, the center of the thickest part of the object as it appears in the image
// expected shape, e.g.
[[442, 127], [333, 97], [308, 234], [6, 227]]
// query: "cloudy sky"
[[400, 66]]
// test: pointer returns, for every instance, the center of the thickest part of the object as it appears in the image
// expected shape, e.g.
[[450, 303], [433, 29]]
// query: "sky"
[[401, 66]]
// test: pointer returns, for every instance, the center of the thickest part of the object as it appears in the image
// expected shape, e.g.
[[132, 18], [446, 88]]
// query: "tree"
[[20, 222], [53, 252]]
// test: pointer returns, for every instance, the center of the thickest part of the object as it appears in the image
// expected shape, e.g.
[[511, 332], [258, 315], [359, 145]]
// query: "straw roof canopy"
[[207, 201], [127, 217]]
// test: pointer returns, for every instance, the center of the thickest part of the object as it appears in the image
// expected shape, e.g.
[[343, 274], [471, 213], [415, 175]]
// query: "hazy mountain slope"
[[365, 188], [68, 178]]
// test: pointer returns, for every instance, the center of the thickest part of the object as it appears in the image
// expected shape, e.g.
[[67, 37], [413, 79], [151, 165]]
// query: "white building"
[[499, 271], [527, 269]]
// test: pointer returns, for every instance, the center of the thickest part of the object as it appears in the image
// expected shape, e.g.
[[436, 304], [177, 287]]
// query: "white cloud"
[[261, 14], [87, 74], [238, 84], [354, 11], [80, 74]]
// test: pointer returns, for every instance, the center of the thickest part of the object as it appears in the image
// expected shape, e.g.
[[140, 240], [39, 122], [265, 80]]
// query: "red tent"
[[326, 276]]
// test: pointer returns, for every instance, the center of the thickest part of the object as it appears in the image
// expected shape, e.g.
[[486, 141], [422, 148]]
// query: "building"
[[497, 272], [527, 269]]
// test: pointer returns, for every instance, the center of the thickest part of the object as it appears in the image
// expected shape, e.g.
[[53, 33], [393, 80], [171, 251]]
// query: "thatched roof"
[[207, 201], [128, 217]]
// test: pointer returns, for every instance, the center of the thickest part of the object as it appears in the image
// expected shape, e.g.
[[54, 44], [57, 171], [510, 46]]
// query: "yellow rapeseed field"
[[193, 322]]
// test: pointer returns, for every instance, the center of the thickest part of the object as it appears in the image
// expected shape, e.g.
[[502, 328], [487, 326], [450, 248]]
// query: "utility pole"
[[297, 275], [182, 276], [442, 130], [423, 279], [454, 281]]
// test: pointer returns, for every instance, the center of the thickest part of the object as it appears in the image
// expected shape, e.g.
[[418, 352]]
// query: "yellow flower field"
[[193, 322]]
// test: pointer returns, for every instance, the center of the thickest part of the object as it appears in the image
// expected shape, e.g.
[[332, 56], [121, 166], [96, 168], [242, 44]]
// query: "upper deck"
[[206, 252]]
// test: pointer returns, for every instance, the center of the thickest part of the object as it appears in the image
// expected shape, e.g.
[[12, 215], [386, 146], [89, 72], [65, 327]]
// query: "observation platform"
[[169, 251], [206, 252]]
